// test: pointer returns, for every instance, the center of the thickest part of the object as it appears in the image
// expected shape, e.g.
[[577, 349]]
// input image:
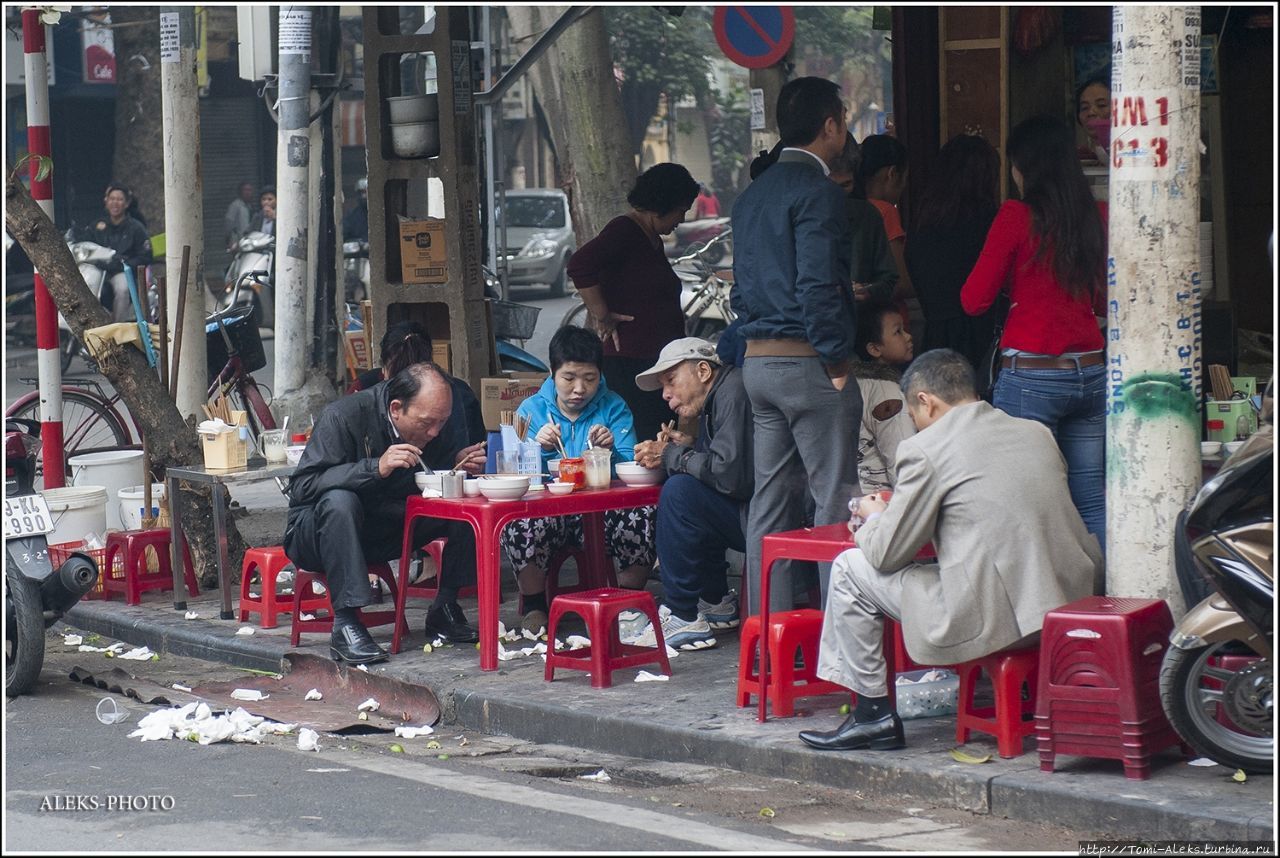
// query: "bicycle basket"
[[244, 338], [514, 321]]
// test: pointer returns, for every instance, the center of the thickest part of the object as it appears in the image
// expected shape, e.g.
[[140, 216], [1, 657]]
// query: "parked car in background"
[[540, 238]]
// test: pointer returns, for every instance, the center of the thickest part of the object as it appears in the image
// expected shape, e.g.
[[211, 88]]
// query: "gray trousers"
[[851, 653], [805, 441]]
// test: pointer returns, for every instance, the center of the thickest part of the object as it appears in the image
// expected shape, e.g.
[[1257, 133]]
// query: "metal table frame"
[[218, 479]]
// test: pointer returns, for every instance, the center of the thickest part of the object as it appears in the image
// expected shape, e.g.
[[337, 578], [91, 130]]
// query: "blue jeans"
[[1072, 403], [695, 525]]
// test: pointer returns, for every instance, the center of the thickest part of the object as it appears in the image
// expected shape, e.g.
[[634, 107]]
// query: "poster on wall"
[[98, 45]]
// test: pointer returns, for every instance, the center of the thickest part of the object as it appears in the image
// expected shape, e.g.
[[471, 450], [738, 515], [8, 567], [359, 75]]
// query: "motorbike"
[[95, 262], [690, 235], [704, 291], [1217, 676], [511, 358], [255, 251], [355, 269], [36, 595]]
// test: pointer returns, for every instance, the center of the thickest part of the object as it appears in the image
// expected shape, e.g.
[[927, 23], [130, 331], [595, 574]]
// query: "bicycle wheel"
[[88, 423], [576, 316]]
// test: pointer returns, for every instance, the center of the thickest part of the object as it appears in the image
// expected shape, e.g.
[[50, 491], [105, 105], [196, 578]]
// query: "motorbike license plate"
[[26, 515]]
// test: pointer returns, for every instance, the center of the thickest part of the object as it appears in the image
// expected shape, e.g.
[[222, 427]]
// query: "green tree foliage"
[[730, 139], [838, 43], [658, 54]]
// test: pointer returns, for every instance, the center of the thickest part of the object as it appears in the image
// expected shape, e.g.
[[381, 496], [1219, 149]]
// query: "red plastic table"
[[488, 518], [821, 544]]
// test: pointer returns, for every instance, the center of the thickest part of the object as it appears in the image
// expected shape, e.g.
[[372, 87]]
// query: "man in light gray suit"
[[990, 491]]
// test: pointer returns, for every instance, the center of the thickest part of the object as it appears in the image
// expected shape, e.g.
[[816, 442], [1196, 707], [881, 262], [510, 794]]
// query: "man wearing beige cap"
[[702, 509]]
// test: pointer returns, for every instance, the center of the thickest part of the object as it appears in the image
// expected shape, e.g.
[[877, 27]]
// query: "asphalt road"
[[73, 784]]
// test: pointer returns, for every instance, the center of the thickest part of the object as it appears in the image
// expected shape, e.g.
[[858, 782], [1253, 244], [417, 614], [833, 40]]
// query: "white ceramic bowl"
[[496, 482], [558, 488], [501, 493], [1232, 446], [293, 454], [1210, 448], [634, 474], [425, 481], [471, 488]]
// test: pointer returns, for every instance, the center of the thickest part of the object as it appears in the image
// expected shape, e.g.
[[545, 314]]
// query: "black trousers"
[[648, 409], [343, 533]]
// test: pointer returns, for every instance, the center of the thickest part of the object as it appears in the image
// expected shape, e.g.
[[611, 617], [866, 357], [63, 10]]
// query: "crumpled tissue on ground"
[[506, 634], [600, 777], [197, 723], [245, 630], [72, 640], [575, 642], [646, 676], [114, 648], [308, 740], [369, 705], [413, 732], [191, 615], [141, 653], [314, 694]]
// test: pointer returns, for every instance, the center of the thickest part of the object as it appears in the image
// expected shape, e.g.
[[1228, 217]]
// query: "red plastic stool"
[[586, 580], [269, 562], [1099, 693], [426, 589], [132, 545], [600, 609], [308, 599], [788, 631], [1011, 719]]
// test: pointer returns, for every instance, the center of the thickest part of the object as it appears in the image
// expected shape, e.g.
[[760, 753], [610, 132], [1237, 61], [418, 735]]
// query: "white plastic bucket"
[[114, 470], [76, 511], [131, 504]]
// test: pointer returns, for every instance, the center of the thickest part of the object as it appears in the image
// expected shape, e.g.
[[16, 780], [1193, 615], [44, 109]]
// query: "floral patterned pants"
[[629, 538]]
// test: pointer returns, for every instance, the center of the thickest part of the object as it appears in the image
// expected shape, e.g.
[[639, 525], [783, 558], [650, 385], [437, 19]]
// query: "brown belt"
[[780, 348], [1030, 362]]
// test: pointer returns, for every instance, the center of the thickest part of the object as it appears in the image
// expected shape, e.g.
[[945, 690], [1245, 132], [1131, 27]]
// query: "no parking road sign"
[[754, 37]]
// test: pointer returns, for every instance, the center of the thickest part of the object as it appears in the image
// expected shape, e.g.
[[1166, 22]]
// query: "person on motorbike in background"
[[128, 238], [264, 220], [355, 225]]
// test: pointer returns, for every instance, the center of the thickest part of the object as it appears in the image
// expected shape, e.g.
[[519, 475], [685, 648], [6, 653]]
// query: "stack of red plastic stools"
[[1099, 690], [600, 609], [135, 578], [1010, 719], [305, 595], [269, 562]]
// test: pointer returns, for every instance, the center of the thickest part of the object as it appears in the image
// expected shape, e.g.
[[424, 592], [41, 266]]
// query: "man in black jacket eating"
[[347, 502], [702, 509]]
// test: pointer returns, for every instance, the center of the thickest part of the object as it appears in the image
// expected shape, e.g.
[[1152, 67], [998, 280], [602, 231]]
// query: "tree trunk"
[[138, 160], [575, 85], [169, 440]]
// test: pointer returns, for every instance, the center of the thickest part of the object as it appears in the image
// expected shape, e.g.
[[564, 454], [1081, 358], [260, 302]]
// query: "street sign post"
[[754, 37]]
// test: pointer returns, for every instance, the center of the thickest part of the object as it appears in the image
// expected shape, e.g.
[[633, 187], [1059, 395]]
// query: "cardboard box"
[[506, 394], [358, 349], [442, 356], [226, 450], [422, 251]]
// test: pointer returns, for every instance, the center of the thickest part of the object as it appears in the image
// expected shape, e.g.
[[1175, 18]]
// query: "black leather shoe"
[[352, 643], [449, 623], [883, 734]]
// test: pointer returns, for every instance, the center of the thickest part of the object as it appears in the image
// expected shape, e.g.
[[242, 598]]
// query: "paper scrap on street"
[[600, 777], [141, 653], [72, 640], [646, 676], [179, 687], [362, 667], [196, 722], [1202, 761], [191, 615], [308, 740], [314, 694], [369, 705], [413, 732], [248, 694], [114, 648], [245, 630], [576, 642]]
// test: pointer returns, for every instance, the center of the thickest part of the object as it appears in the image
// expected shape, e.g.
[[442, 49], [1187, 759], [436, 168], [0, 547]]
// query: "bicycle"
[[91, 422]]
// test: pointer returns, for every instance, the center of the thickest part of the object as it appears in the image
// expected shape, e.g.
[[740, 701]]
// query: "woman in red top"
[[1050, 248], [631, 291]]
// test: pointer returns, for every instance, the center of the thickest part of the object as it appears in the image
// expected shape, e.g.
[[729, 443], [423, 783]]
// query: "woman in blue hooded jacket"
[[575, 407]]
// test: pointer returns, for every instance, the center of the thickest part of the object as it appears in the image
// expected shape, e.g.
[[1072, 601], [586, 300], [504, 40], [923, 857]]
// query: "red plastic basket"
[[60, 552]]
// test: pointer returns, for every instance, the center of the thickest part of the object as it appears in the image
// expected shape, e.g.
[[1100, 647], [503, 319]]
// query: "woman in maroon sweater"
[[631, 291], [1050, 250]]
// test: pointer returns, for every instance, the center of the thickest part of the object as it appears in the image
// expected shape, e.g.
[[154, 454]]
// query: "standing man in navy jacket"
[[793, 290]]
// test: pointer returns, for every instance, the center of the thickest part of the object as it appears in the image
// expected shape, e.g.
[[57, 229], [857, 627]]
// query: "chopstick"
[[559, 443]]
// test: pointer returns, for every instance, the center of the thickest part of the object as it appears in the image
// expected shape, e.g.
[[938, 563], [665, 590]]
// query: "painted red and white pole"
[[47, 361]]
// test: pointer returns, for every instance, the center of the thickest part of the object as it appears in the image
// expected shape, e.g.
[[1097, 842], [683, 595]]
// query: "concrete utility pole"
[[293, 158], [770, 80], [48, 358], [1153, 286], [183, 200]]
